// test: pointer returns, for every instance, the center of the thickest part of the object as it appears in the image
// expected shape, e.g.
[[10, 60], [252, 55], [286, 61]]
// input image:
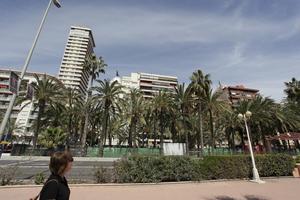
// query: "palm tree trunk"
[[232, 140], [161, 134], [38, 124], [130, 134], [103, 138], [85, 130], [211, 130], [134, 132], [101, 148], [106, 115], [186, 137], [69, 132], [109, 133], [86, 121], [154, 130], [200, 127]]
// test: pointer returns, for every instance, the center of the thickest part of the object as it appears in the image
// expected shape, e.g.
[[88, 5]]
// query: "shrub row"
[[145, 169], [297, 159]]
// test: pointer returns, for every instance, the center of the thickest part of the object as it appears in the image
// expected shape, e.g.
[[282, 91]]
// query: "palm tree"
[[147, 120], [108, 96], [183, 99], [199, 82], [162, 102], [73, 104], [133, 110], [230, 123], [118, 128], [214, 106], [56, 114], [293, 90], [52, 137], [94, 66], [267, 118], [47, 90]]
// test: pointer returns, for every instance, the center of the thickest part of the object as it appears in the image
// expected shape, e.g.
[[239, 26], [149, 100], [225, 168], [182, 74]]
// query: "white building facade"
[[23, 117], [80, 46], [148, 84]]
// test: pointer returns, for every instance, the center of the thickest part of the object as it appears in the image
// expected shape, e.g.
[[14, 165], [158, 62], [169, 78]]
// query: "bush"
[[101, 175], [144, 169], [222, 167], [7, 174], [39, 178], [297, 159]]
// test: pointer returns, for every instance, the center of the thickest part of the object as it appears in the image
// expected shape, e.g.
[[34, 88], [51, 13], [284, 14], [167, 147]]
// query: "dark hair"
[[59, 162]]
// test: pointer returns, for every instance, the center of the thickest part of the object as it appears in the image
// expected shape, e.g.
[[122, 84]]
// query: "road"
[[83, 169]]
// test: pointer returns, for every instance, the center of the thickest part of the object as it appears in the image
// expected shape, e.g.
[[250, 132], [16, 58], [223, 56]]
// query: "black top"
[[56, 187]]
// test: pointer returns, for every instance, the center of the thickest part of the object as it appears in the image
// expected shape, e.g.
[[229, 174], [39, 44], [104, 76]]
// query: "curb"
[[47, 158]]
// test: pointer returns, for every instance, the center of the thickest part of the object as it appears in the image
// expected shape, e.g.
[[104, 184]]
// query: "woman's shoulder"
[[51, 183]]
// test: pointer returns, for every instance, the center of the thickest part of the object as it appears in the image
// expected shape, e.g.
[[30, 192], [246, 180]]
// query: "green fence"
[[115, 152]]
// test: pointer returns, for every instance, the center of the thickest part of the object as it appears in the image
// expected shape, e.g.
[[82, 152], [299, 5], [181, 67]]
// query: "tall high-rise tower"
[[79, 47]]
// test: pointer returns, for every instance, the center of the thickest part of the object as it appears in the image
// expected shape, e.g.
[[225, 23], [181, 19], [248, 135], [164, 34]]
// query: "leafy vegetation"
[[193, 113], [144, 169]]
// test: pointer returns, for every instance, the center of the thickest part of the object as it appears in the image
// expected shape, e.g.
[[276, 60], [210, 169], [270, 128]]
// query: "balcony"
[[4, 98], [4, 83]]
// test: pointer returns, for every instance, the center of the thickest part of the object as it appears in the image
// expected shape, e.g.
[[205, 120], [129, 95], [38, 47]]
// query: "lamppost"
[[14, 95], [244, 117]]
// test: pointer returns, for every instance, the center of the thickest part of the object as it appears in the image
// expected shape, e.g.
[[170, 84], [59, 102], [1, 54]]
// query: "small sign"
[[13, 82]]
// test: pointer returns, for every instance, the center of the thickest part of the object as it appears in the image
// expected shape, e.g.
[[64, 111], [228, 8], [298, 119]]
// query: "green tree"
[[183, 100], [108, 97], [94, 66], [200, 81], [162, 102], [133, 110], [52, 137], [214, 106], [72, 101], [47, 90], [293, 90]]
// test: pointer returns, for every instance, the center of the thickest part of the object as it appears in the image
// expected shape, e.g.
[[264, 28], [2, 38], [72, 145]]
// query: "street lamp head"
[[240, 116], [248, 114], [56, 3]]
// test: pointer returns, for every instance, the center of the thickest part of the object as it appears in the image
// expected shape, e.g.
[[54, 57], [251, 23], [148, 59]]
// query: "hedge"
[[297, 159], [146, 169]]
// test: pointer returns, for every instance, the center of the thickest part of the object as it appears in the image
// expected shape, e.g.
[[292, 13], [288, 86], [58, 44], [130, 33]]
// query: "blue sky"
[[251, 42]]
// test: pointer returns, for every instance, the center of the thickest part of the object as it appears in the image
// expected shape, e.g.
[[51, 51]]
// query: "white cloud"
[[163, 41]]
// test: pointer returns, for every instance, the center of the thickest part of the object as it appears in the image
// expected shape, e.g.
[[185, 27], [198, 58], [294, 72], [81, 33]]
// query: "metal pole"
[[13, 98], [255, 171]]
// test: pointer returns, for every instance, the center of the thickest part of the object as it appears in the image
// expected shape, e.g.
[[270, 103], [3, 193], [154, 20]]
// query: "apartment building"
[[234, 94], [80, 45], [148, 84], [23, 118]]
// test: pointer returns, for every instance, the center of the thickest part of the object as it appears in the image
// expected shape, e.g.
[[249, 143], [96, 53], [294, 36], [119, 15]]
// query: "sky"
[[255, 43]]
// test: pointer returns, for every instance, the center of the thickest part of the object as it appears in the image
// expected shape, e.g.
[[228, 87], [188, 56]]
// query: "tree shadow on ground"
[[246, 197]]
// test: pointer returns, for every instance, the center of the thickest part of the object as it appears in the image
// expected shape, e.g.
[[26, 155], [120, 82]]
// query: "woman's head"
[[60, 163]]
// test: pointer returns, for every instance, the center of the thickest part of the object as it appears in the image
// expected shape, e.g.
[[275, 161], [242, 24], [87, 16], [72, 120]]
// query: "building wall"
[[79, 46], [237, 93], [23, 118], [148, 84]]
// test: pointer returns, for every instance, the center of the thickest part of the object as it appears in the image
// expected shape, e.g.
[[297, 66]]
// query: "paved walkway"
[[273, 189]]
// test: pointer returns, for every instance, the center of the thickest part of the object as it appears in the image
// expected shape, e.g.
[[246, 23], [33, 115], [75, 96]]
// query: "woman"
[[56, 187]]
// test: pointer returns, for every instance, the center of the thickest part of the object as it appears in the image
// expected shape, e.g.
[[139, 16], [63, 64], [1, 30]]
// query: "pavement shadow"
[[246, 197]]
